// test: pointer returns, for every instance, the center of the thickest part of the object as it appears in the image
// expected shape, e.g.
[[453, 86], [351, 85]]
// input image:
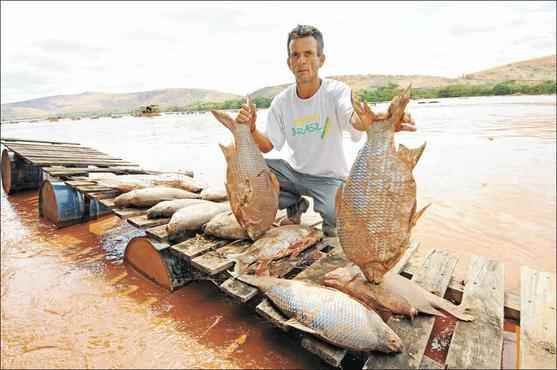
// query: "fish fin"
[[338, 199], [225, 119], [417, 215], [228, 151], [457, 311], [274, 182], [410, 156], [298, 325], [430, 310]]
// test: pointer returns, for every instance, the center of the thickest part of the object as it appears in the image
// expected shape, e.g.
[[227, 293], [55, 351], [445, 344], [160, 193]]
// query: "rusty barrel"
[[18, 175], [63, 206], [156, 261]]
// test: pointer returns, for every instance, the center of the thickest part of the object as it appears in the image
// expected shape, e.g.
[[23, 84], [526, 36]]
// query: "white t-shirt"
[[313, 127]]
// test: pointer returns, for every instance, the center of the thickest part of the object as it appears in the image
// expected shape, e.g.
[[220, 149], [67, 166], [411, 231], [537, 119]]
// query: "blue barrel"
[[17, 175], [61, 204], [96, 209]]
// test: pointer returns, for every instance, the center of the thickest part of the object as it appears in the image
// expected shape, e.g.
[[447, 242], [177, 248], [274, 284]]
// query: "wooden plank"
[[75, 183], [125, 213], [198, 245], [215, 262], [66, 156], [88, 162], [73, 171], [144, 222], [53, 148], [238, 290], [478, 344], [434, 276], [12, 139], [92, 188], [327, 352], [107, 202], [103, 194], [158, 233], [537, 324], [428, 363], [267, 310], [456, 288]]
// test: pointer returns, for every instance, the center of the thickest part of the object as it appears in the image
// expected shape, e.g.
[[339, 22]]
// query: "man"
[[310, 117]]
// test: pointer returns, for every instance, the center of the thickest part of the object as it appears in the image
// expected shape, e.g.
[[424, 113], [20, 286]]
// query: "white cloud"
[[70, 47]]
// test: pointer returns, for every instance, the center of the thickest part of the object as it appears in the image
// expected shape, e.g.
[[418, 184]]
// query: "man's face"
[[304, 60]]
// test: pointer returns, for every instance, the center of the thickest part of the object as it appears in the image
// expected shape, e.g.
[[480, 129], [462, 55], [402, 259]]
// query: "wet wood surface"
[[434, 276], [537, 326], [478, 344]]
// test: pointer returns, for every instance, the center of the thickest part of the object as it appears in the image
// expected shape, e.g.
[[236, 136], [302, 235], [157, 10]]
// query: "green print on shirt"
[[312, 127]]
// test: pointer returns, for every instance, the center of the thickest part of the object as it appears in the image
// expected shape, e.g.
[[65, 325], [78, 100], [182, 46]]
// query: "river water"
[[489, 172]]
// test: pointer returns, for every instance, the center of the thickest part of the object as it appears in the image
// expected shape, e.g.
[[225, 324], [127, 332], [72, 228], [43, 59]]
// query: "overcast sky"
[[52, 48]]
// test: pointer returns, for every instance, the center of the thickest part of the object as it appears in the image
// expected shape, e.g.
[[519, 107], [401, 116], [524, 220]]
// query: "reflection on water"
[[69, 301]]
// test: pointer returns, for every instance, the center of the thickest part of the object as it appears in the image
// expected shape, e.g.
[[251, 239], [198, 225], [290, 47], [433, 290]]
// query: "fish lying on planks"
[[214, 194], [148, 197], [275, 244], [395, 294], [327, 313], [376, 208], [125, 183], [253, 189], [194, 217], [168, 207], [225, 226]]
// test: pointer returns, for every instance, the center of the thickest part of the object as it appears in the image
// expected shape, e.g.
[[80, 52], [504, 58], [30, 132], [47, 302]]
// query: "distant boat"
[[148, 111]]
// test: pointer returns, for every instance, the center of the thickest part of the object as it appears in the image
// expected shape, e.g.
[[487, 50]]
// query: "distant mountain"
[[539, 69], [98, 102]]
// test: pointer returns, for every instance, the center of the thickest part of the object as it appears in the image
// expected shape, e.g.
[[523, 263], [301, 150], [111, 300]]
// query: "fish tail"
[[225, 119], [417, 215]]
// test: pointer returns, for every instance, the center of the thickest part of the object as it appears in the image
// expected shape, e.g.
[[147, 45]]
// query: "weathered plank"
[[5, 140], [103, 194], [80, 182], [537, 323], [125, 213], [92, 162], [52, 148], [478, 344], [58, 171], [40, 154], [215, 262], [107, 202], [428, 363], [327, 352], [92, 188], [266, 309], [144, 222], [158, 233], [238, 290], [196, 246], [456, 288], [434, 276]]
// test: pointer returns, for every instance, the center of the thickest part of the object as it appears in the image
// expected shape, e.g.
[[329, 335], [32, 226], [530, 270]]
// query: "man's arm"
[[262, 141]]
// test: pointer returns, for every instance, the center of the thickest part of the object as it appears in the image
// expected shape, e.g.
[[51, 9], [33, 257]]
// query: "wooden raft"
[[476, 344]]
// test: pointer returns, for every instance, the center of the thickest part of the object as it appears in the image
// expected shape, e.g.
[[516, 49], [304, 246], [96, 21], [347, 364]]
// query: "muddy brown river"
[[69, 301]]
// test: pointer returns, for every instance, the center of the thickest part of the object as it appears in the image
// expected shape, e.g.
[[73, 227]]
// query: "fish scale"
[[376, 208]]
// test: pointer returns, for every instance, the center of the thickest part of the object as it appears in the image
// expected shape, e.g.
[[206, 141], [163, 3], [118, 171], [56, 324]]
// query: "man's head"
[[305, 53]]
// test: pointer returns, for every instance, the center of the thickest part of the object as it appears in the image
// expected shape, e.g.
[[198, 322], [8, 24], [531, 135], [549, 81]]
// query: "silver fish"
[[327, 313], [168, 207], [148, 197]]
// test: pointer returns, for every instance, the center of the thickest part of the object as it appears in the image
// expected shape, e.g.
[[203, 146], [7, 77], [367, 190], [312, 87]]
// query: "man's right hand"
[[247, 114]]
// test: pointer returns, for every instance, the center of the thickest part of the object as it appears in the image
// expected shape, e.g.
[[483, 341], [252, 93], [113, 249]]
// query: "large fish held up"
[[253, 190], [376, 208], [328, 314]]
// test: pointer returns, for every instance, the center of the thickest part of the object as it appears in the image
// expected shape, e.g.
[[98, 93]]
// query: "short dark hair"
[[303, 30]]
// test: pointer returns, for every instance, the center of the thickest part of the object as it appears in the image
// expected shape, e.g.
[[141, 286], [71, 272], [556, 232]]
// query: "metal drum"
[[61, 204], [18, 175]]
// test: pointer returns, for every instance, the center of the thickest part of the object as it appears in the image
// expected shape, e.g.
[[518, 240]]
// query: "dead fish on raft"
[[194, 217], [225, 226], [395, 294], [376, 208], [125, 183], [275, 244], [214, 194], [252, 188], [328, 314], [148, 197], [168, 207]]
